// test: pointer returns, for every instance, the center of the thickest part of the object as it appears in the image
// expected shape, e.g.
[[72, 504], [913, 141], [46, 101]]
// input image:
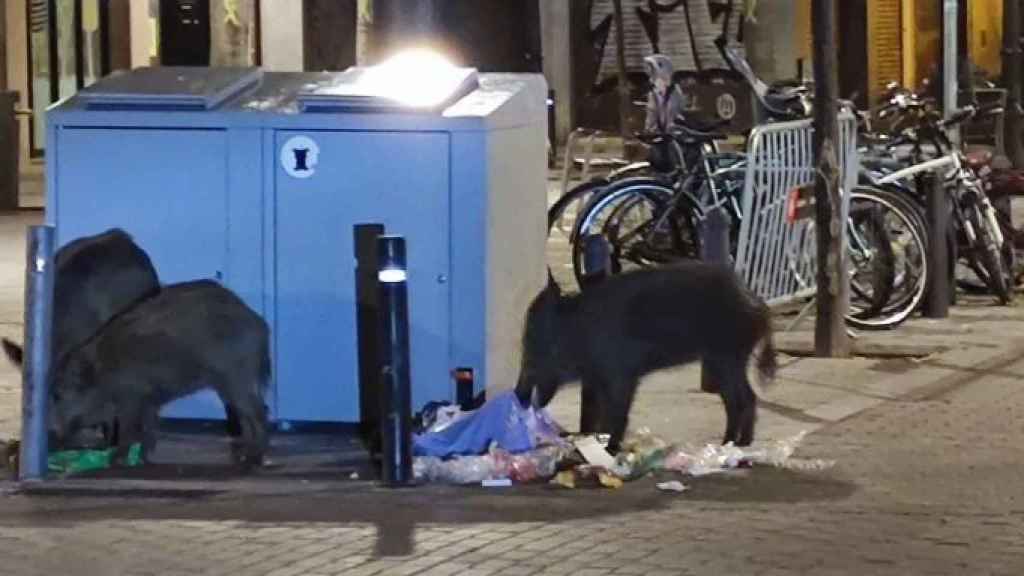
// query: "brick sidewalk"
[[928, 481]]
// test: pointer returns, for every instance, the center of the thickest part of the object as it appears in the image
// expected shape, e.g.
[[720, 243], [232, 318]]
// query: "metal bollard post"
[[938, 297], [396, 393], [597, 262], [39, 279], [714, 249]]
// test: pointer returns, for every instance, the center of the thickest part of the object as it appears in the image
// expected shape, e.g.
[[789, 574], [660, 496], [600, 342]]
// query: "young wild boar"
[[95, 278], [191, 336], [629, 325]]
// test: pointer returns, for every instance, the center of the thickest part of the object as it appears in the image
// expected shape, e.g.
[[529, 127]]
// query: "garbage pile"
[[69, 461], [503, 443]]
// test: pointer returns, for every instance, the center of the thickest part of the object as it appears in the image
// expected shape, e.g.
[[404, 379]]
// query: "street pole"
[[950, 53], [620, 59], [37, 365], [1012, 80], [830, 338]]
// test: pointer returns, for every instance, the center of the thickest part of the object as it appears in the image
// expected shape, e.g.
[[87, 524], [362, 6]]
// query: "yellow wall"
[[885, 58], [985, 34]]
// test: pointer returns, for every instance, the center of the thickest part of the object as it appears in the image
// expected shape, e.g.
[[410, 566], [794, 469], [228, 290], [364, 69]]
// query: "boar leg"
[[590, 404], [617, 401]]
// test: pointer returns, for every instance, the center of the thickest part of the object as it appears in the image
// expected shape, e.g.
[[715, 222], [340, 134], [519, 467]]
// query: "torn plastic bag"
[[501, 420], [530, 466]]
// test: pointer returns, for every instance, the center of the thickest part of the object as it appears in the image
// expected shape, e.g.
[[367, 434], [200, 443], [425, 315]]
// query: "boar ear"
[[13, 351]]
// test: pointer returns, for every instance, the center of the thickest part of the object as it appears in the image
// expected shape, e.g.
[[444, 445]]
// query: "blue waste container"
[[259, 180]]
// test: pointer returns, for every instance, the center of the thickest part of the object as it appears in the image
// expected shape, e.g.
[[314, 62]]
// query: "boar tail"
[[13, 351], [767, 363]]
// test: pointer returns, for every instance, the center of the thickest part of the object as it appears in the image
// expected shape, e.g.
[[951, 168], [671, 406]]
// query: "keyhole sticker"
[[299, 156]]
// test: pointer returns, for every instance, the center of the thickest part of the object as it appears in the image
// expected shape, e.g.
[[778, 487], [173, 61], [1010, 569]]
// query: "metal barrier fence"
[[777, 253]]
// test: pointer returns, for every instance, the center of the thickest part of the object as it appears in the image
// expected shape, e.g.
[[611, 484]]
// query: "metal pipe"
[[937, 300], [1012, 80], [396, 392], [950, 52], [39, 280]]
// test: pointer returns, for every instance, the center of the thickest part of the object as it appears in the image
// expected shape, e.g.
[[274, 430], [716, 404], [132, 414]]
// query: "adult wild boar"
[[96, 277], [628, 325], [190, 336]]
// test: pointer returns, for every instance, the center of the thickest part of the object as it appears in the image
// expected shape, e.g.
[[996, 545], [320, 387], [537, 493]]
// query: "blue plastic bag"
[[501, 420]]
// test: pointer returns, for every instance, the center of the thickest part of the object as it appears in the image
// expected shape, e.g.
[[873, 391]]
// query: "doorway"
[[68, 49]]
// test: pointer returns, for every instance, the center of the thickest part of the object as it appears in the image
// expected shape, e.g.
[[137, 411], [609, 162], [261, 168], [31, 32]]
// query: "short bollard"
[[396, 393], [39, 279], [714, 249], [938, 298], [597, 261]]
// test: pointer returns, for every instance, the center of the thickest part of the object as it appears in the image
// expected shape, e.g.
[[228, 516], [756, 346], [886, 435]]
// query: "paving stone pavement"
[[928, 480]]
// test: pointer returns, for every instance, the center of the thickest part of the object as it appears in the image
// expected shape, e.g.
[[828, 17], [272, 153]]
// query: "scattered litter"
[[714, 458], [594, 453], [565, 478], [672, 486], [587, 476], [502, 443], [501, 420], [353, 476], [609, 480], [496, 463], [71, 461]]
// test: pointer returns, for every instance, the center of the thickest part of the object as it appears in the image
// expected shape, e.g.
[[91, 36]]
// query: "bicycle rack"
[[569, 159]]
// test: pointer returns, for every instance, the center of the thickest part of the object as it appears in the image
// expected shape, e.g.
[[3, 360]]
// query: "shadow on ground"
[[312, 484]]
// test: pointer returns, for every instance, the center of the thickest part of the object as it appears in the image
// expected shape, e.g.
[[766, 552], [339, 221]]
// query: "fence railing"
[[777, 250]]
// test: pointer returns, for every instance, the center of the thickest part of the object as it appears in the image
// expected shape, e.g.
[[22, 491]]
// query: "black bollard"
[[39, 279], [396, 393], [938, 298], [597, 263], [714, 248]]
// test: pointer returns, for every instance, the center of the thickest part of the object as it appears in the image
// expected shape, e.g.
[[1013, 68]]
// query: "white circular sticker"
[[299, 156], [726, 105]]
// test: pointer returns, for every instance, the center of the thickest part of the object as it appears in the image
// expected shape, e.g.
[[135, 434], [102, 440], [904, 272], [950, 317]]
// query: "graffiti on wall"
[[683, 30]]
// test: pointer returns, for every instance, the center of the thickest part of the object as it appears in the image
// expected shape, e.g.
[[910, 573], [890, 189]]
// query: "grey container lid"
[[170, 88], [350, 92]]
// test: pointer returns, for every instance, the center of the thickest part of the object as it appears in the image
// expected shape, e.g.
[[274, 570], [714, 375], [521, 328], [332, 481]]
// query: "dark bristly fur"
[[632, 324], [190, 336], [95, 278]]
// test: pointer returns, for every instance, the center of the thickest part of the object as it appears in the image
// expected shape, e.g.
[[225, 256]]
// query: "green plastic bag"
[[70, 461]]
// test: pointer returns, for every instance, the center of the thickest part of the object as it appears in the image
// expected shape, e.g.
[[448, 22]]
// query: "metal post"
[[950, 52], [830, 336], [596, 259], [714, 249], [39, 279], [938, 300], [396, 393], [1012, 81], [623, 88]]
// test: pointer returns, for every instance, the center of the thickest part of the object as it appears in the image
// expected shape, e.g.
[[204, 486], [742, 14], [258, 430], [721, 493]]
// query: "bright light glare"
[[416, 77], [391, 276]]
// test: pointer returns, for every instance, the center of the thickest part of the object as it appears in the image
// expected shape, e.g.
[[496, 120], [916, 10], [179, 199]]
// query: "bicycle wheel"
[[562, 220], [645, 224], [892, 241], [989, 260]]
